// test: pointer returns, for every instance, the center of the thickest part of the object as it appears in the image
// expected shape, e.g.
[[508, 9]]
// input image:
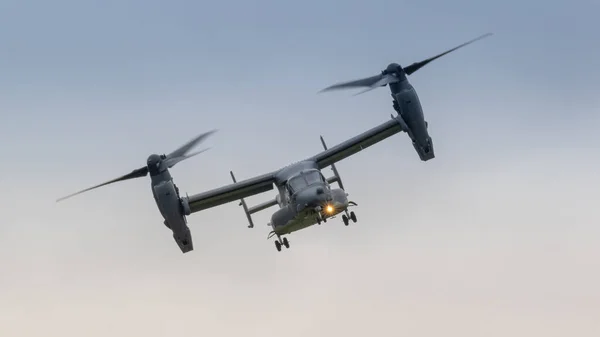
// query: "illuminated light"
[[329, 209]]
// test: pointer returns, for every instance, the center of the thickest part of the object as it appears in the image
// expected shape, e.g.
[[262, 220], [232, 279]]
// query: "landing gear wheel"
[[353, 216], [278, 246], [286, 243], [345, 219]]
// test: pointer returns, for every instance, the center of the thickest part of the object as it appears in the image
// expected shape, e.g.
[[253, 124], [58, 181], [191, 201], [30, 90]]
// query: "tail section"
[[252, 210], [336, 176]]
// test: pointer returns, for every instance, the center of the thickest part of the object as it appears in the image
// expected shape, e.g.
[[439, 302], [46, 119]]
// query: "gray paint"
[[305, 207], [165, 192], [405, 99]]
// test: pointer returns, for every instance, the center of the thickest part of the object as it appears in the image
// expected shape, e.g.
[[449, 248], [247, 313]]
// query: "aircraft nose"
[[312, 197]]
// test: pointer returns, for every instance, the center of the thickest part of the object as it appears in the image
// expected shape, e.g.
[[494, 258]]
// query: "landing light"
[[329, 209]]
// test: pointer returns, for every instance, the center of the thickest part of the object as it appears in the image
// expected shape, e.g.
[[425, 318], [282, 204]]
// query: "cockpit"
[[303, 180]]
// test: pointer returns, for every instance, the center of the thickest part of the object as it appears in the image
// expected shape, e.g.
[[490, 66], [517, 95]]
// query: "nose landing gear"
[[321, 218]]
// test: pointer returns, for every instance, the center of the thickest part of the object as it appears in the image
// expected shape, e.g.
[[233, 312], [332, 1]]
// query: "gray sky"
[[497, 236]]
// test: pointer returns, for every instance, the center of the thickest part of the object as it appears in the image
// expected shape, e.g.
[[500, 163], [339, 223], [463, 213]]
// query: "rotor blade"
[[365, 90], [172, 161], [387, 79], [138, 173], [189, 145], [363, 82], [418, 65]]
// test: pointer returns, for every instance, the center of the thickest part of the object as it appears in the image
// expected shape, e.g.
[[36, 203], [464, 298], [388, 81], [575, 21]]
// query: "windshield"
[[303, 180], [296, 183], [313, 177]]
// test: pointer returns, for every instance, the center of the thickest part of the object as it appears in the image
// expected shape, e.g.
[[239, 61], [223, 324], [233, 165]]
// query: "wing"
[[231, 192], [357, 143], [265, 182]]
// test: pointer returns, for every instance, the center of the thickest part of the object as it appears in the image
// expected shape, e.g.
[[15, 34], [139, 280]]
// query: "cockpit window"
[[303, 180], [296, 183], [313, 177]]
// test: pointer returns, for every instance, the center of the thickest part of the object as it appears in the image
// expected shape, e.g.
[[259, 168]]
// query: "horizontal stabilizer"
[[332, 180], [252, 210], [336, 178], [263, 206]]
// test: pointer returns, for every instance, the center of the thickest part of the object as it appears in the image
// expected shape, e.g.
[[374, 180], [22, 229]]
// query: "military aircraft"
[[164, 190], [405, 99], [304, 196]]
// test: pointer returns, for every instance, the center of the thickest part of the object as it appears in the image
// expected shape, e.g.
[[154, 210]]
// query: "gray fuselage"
[[305, 198]]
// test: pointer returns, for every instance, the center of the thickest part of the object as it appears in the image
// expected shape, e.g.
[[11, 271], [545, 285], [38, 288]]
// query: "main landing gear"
[[279, 242], [345, 217]]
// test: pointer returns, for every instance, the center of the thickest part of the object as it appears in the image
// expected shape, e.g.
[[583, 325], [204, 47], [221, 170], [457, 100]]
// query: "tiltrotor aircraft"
[[304, 196], [406, 101], [164, 190]]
